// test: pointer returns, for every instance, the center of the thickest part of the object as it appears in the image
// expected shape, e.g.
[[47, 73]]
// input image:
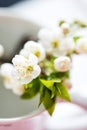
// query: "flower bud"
[[65, 28], [81, 45], [62, 64]]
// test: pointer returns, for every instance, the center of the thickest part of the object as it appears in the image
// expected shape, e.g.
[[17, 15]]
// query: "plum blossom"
[[68, 45], [10, 82], [55, 43], [65, 28], [81, 45], [51, 39], [62, 64], [6, 72], [34, 48], [26, 69]]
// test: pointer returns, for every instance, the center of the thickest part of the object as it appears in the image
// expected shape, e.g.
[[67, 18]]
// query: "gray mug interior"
[[12, 30]]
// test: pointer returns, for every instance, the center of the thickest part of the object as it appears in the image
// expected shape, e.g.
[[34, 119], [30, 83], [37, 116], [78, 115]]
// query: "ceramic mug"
[[15, 113]]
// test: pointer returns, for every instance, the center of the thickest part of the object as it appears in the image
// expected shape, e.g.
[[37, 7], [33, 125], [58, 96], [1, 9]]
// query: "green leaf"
[[80, 23], [47, 83], [62, 92], [50, 83], [59, 75], [48, 102], [51, 109], [56, 80], [32, 91], [61, 22], [42, 93], [31, 84], [53, 93], [76, 38]]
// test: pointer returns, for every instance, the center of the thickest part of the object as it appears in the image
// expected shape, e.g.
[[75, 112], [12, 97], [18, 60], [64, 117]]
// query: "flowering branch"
[[43, 67]]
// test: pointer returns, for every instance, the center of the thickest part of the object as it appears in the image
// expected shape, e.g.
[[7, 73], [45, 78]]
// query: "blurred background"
[[47, 13], [6, 3]]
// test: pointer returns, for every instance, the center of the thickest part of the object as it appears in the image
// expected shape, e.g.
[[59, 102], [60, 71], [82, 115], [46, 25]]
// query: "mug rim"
[[5, 13], [16, 119]]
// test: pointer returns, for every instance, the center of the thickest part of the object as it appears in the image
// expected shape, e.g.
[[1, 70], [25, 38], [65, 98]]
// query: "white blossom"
[[24, 53], [10, 82], [81, 45], [62, 64], [65, 28], [68, 45], [51, 40], [1, 50], [26, 69], [6, 72], [34, 48]]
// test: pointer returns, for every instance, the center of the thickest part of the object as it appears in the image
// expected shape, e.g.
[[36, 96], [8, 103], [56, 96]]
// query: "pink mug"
[[15, 113]]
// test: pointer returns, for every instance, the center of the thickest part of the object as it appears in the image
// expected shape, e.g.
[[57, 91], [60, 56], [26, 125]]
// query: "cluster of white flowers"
[[55, 42], [24, 69], [26, 65]]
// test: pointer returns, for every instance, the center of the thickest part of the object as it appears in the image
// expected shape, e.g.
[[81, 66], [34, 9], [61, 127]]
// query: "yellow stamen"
[[55, 44], [37, 53], [29, 69]]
